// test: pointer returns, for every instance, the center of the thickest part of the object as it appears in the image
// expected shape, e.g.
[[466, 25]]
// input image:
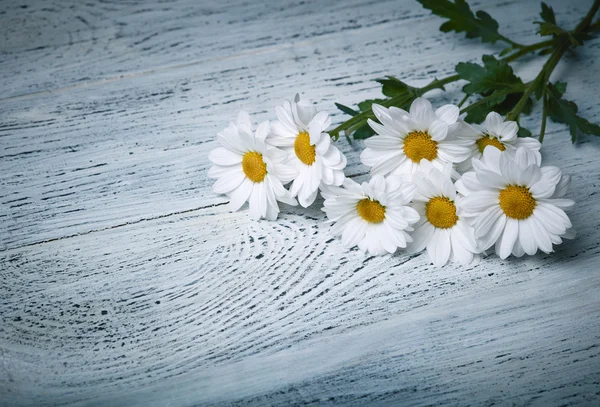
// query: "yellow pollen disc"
[[254, 167], [485, 141], [419, 145], [370, 210], [517, 202], [304, 151], [441, 212]]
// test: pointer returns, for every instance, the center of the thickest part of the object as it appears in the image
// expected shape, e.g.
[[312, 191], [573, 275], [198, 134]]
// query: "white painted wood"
[[125, 281]]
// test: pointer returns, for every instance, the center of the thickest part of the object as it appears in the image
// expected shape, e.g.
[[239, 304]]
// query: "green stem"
[[360, 119], [587, 20], [462, 102], [555, 57], [529, 49], [540, 79], [544, 115], [511, 42], [505, 92]]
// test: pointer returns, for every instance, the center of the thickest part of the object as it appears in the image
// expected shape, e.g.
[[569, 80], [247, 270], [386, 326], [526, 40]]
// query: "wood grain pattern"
[[126, 282]]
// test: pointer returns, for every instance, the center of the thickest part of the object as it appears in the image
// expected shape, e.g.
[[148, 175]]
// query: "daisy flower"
[[300, 132], [516, 205], [442, 230], [406, 138], [497, 133], [374, 215], [247, 169]]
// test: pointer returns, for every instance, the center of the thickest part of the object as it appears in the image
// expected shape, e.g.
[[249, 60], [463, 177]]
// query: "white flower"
[[497, 133], [374, 215], [300, 131], [514, 203], [442, 229], [248, 170], [404, 139]]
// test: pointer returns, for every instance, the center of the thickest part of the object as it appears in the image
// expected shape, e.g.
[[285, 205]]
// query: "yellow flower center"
[[517, 202], [441, 212], [419, 145], [370, 210], [485, 141], [254, 167], [304, 151]]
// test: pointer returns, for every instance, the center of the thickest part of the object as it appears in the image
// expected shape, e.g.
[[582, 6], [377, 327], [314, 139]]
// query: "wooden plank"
[[126, 282], [95, 41], [93, 157], [61, 44], [212, 307]]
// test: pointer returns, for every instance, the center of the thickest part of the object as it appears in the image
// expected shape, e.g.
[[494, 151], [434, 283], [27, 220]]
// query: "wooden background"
[[124, 281]]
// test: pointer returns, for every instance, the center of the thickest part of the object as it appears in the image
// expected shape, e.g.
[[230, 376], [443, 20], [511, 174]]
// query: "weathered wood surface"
[[125, 282]]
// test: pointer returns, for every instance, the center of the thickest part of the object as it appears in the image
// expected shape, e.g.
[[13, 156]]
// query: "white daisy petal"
[[413, 138], [493, 123], [518, 249], [448, 113], [244, 122], [362, 217], [263, 130], [222, 156], [318, 162], [562, 186], [254, 202], [439, 247], [383, 143], [555, 214], [486, 241], [421, 237], [217, 171], [470, 182], [562, 203], [453, 152], [422, 113], [382, 130], [438, 130], [227, 184], [248, 170], [303, 111], [479, 201], [527, 237], [546, 185], [529, 176], [508, 131], [549, 220], [505, 244], [240, 195], [354, 232], [459, 251], [541, 236]]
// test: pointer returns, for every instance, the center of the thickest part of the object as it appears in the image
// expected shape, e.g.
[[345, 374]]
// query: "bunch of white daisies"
[[437, 183]]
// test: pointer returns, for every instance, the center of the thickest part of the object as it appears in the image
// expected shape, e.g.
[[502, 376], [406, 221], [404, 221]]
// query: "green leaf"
[[560, 87], [523, 132], [346, 109], [492, 76], [461, 19], [366, 104], [547, 14], [565, 111], [546, 28], [499, 104], [395, 87], [364, 132]]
